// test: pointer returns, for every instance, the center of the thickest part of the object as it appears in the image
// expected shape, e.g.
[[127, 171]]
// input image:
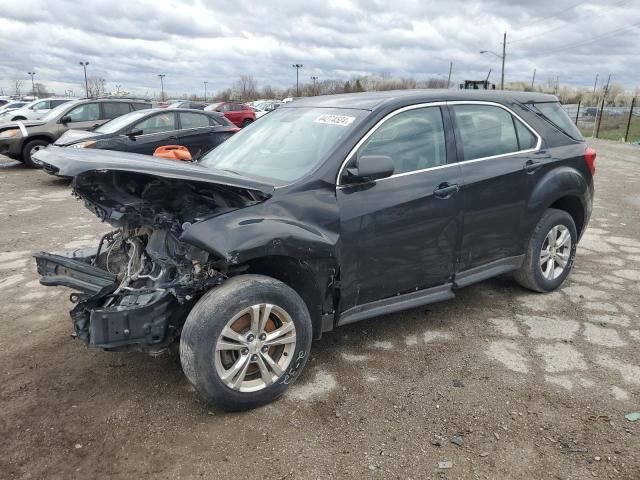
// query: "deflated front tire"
[[245, 342]]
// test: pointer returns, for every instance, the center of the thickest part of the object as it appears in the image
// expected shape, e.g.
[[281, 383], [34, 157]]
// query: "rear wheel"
[[31, 148], [550, 253], [245, 342]]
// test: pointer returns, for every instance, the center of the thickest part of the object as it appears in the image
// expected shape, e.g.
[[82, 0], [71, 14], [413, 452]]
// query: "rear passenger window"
[[194, 120], [140, 106], [487, 131], [114, 110], [413, 139]]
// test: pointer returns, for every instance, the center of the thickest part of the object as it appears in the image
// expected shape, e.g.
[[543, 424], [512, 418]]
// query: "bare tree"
[[96, 86], [247, 88], [18, 86]]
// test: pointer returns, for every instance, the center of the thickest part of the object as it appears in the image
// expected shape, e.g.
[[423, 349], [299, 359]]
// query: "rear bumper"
[[119, 322]]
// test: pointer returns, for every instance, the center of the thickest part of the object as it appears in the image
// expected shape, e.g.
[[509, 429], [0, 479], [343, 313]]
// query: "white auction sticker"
[[23, 129], [342, 120]]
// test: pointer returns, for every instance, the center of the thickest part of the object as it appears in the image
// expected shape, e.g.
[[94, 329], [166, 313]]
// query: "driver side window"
[[163, 122], [88, 112], [44, 105], [414, 140]]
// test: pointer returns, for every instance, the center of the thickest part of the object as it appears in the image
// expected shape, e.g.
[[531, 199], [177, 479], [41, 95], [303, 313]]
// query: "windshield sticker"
[[341, 120]]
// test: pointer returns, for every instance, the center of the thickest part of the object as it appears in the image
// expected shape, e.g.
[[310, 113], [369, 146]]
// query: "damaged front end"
[[134, 290]]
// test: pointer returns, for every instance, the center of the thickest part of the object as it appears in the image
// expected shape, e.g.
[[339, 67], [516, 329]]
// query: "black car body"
[[357, 205], [145, 130], [22, 139]]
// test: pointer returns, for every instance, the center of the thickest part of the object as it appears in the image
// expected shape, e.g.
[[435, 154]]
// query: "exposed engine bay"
[[134, 290]]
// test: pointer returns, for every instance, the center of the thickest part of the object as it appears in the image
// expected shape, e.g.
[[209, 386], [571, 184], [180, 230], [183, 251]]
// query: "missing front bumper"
[[127, 321]]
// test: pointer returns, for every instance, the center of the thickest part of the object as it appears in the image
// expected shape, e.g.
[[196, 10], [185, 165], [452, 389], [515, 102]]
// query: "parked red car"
[[239, 113]]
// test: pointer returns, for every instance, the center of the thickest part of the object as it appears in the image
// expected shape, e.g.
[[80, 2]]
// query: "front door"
[[83, 117], [153, 132], [196, 133], [400, 234], [498, 156]]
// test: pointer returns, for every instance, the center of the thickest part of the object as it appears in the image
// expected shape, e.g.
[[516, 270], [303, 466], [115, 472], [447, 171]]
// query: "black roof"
[[371, 100]]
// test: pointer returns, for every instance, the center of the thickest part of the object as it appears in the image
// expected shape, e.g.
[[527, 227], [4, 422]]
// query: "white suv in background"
[[34, 110]]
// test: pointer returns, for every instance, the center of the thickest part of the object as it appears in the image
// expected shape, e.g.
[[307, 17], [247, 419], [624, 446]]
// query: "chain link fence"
[[621, 123]]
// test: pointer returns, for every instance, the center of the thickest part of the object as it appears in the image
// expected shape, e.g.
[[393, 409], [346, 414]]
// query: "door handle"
[[530, 166], [446, 190]]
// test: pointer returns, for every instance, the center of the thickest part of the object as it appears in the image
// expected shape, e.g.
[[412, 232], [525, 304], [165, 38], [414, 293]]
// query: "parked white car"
[[12, 105], [34, 110]]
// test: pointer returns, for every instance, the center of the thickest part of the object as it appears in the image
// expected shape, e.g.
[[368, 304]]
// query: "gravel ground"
[[500, 382]]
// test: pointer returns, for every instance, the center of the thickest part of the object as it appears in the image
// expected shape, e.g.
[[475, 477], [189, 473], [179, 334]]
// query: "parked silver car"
[[34, 110]]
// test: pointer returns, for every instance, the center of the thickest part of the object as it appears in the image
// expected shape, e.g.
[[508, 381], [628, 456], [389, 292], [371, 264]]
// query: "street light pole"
[[205, 91], [314, 78], [33, 87], [297, 66], [86, 84], [501, 57], [162, 75]]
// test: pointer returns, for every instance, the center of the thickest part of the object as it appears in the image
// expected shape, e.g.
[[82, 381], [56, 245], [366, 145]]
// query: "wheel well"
[[18, 118], [37, 137], [573, 207], [297, 275]]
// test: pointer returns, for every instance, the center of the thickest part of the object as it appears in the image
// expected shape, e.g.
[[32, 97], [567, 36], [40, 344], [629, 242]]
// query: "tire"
[[29, 149], [205, 363], [247, 122], [538, 275], [15, 119]]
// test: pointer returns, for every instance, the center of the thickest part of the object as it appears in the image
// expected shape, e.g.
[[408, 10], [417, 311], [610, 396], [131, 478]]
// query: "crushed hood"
[[69, 162]]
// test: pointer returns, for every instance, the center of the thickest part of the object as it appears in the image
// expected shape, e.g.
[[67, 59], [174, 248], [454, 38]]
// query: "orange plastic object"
[[173, 152]]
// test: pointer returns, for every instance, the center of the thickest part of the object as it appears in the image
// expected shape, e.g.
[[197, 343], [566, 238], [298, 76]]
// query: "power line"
[[571, 7], [581, 43], [540, 34]]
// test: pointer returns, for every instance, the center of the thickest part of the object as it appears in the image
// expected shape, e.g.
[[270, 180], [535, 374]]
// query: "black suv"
[[20, 140], [328, 211]]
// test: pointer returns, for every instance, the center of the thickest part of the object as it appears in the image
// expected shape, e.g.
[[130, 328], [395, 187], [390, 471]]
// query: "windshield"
[[119, 123], [54, 113], [286, 144]]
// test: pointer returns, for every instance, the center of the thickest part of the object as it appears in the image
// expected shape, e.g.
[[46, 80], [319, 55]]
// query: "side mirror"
[[134, 133], [66, 119], [369, 168]]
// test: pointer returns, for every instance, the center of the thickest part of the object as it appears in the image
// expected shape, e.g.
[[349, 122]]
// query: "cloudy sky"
[[130, 42]]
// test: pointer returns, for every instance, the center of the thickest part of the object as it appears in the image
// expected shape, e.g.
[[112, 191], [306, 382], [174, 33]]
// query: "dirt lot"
[[528, 385]]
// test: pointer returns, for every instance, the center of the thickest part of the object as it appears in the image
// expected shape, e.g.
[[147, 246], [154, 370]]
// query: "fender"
[[556, 184]]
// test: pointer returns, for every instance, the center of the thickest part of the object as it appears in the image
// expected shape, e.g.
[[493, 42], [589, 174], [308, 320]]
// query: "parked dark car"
[[145, 130], [21, 139], [326, 212], [239, 113]]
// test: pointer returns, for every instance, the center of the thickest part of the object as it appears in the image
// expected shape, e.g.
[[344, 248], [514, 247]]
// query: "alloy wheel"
[[556, 252], [255, 348]]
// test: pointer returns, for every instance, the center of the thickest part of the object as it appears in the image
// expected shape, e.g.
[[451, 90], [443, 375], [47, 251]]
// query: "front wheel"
[[245, 342], [30, 149], [247, 122], [550, 253]]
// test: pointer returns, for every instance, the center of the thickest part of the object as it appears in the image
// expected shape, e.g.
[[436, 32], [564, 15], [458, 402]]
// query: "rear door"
[[156, 131], [401, 234], [498, 155], [196, 133], [111, 110]]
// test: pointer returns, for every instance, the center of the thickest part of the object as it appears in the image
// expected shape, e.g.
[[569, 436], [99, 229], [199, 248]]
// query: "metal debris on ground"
[[633, 416]]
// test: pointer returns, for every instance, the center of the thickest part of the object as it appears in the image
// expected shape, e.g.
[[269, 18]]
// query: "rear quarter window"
[[553, 113]]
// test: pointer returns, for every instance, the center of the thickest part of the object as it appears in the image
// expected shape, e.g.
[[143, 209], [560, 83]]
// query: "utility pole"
[[314, 78], [604, 97], [297, 66], [162, 75], [33, 87], [86, 84], [533, 80], [501, 57], [205, 91], [595, 85], [449, 78], [504, 54]]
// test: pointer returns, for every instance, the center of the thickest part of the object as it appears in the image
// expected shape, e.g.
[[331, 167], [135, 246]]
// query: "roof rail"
[[114, 97]]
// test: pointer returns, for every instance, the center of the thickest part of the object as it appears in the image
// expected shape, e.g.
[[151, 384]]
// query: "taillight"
[[590, 158]]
